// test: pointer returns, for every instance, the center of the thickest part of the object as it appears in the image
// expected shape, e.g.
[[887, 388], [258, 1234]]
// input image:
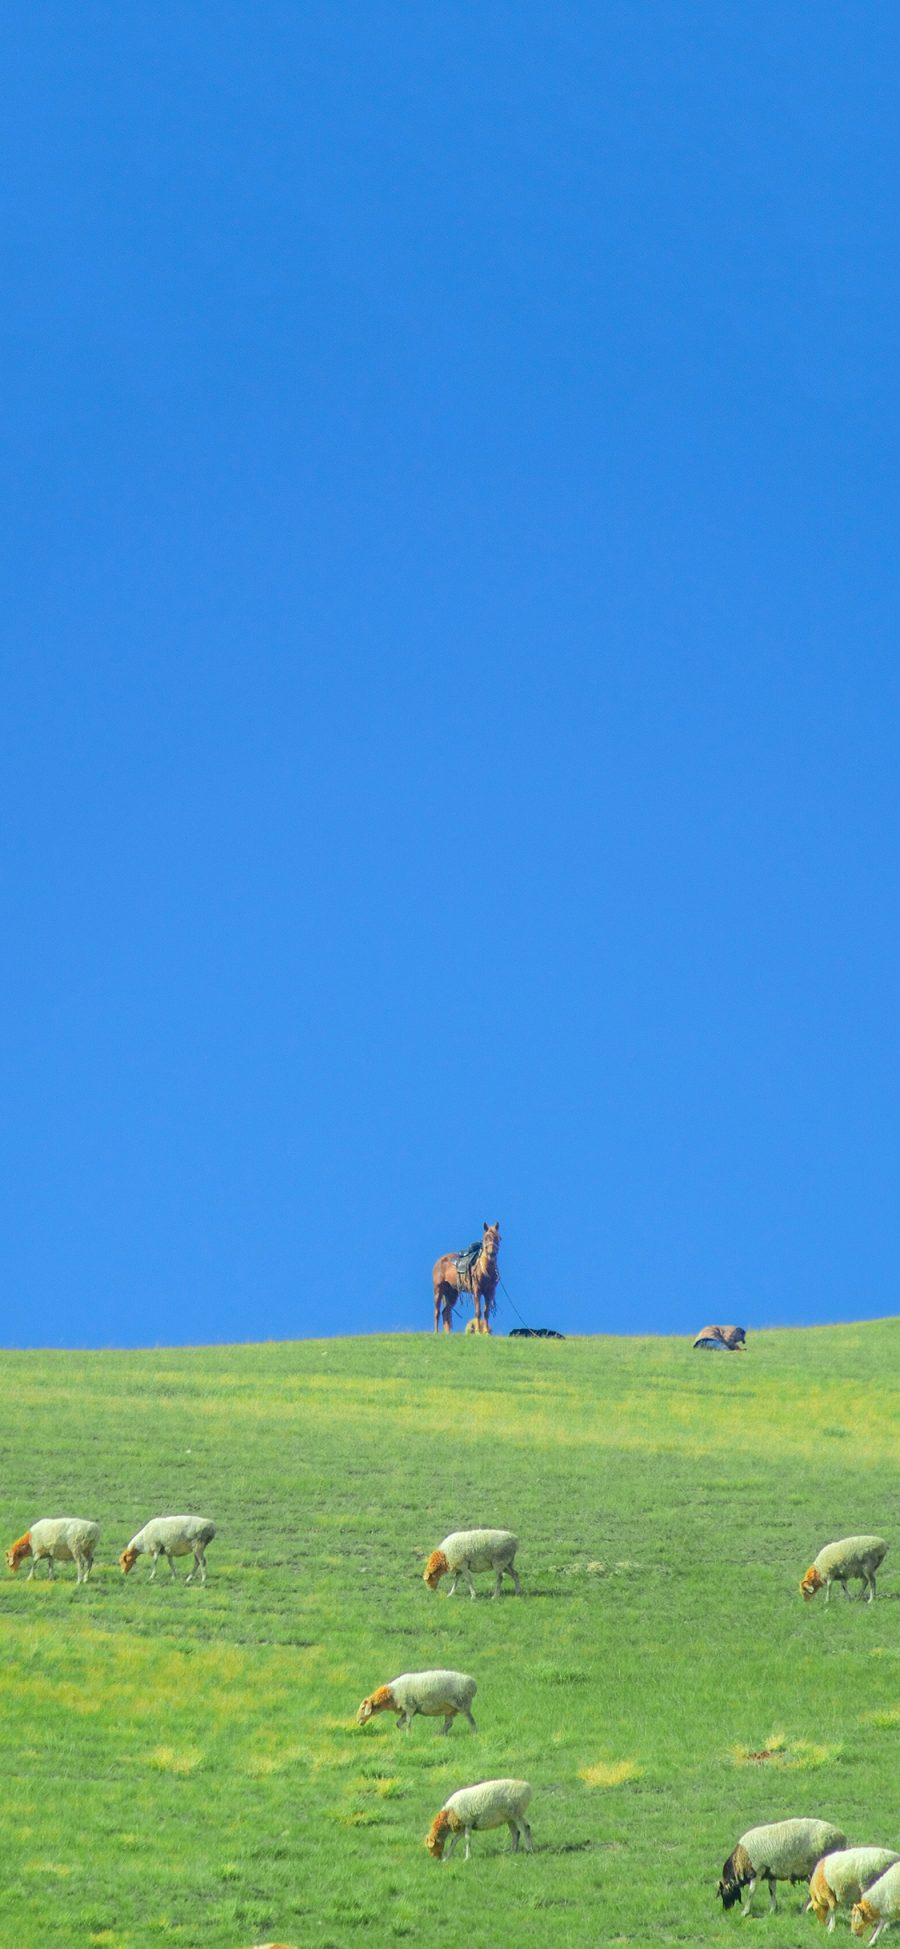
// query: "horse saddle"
[[465, 1260]]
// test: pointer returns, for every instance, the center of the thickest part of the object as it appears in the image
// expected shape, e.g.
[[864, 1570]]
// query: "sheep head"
[[18, 1551], [127, 1560], [811, 1583], [863, 1917], [436, 1568], [821, 1899], [443, 1824], [382, 1700], [738, 1870]]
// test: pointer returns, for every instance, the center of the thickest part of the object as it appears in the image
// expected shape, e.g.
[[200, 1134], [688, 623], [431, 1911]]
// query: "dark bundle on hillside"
[[727, 1339]]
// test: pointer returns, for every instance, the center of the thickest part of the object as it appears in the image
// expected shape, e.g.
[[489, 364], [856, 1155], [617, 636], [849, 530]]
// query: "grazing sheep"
[[840, 1879], [65, 1538], [435, 1694], [786, 1850], [473, 1549], [854, 1556], [492, 1803], [880, 1905], [170, 1536]]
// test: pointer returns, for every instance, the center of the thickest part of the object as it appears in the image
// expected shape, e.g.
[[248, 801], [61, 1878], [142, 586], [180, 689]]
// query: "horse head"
[[490, 1244]]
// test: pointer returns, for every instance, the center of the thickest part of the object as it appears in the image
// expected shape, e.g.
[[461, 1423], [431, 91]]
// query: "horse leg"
[[448, 1308], [437, 1308]]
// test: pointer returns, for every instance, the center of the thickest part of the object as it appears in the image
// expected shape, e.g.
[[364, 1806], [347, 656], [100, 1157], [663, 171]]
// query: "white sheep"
[[434, 1694], [786, 1850], [65, 1538], [879, 1906], [473, 1549], [853, 1556], [170, 1536], [493, 1803], [839, 1880]]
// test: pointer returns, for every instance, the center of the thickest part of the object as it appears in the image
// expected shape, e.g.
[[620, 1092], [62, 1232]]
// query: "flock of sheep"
[[73, 1539], [864, 1879]]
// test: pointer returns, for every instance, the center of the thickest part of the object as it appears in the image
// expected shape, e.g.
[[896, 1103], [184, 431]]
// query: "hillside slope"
[[183, 1765]]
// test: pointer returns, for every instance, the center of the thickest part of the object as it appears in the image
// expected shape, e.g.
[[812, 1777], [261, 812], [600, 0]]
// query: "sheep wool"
[[492, 1803], [60, 1538], [474, 1549], [435, 1695], [840, 1879], [786, 1850], [170, 1536], [853, 1556], [879, 1906]]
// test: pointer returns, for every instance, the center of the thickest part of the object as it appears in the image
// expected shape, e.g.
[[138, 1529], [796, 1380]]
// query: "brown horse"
[[481, 1282]]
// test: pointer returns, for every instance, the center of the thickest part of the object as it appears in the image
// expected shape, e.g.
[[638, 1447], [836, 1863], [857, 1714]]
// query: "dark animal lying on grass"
[[732, 1338]]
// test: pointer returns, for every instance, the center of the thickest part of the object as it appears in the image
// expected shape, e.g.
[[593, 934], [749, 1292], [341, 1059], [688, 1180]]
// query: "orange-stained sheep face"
[[436, 1838], [382, 1700], [127, 1560], [436, 1568], [811, 1583], [863, 1917], [18, 1551], [821, 1899]]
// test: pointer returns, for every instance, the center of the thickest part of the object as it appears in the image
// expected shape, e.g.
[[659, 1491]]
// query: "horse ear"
[[485, 1227]]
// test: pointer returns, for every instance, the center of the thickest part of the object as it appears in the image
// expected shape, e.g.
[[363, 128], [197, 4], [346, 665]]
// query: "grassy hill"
[[183, 1765]]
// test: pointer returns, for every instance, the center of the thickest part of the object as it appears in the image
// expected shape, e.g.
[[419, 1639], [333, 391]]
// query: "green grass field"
[[183, 1765]]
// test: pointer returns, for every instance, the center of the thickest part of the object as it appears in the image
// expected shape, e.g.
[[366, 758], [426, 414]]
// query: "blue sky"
[[451, 685]]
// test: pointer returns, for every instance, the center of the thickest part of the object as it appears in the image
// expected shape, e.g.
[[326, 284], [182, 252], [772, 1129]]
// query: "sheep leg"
[[529, 1844], [199, 1564], [445, 1728], [832, 1913], [470, 1718], [32, 1570], [464, 1573], [50, 1570], [79, 1569], [454, 1583], [514, 1831], [773, 1899], [498, 1579], [871, 1586], [515, 1577], [468, 1851], [876, 1933], [745, 1905], [452, 1843], [168, 1556], [153, 1571]]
